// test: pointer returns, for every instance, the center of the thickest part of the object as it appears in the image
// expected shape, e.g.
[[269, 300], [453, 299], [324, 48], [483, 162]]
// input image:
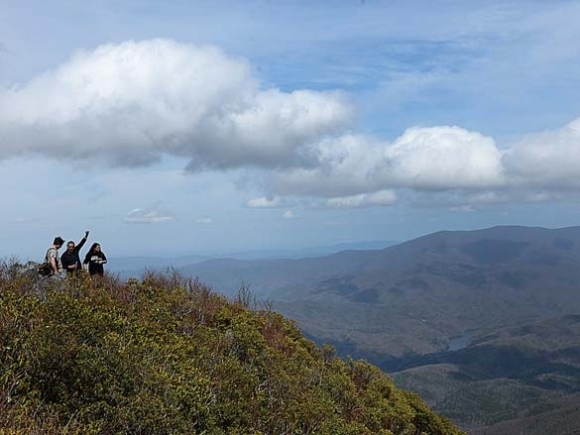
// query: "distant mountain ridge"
[[444, 283], [136, 265], [402, 306]]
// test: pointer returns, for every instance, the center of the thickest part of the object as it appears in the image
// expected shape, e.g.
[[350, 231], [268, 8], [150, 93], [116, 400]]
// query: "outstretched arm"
[[83, 241]]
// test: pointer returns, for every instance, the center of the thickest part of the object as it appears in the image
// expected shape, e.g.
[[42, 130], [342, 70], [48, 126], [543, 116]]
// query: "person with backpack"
[[95, 259], [70, 259], [52, 264]]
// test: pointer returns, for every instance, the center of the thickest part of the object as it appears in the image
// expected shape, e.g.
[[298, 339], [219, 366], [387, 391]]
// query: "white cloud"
[[128, 104], [422, 158], [381, 198], [352, 168], [204, 220], [463, 209], [149, 215], [265, 202], [344, 167], [549, 159], [288, 214], [443, 158], [24, 220], [131, 103]]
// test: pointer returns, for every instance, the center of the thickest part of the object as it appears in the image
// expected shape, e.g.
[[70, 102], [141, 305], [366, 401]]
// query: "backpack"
[[45, 268]]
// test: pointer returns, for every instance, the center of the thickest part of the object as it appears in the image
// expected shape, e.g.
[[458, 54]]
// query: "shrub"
[[165, 355]]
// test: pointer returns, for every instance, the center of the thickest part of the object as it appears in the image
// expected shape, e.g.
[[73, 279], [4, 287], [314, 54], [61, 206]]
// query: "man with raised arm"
[[70, 259]]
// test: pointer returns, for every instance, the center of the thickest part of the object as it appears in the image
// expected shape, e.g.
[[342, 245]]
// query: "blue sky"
[[210, 127]]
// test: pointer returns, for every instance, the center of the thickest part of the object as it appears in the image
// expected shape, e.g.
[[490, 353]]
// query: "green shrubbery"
[[165, 355]]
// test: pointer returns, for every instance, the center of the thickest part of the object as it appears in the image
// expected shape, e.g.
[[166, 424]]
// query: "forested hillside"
[[484, 324], [519, 378], [415, 297], [165, 355]]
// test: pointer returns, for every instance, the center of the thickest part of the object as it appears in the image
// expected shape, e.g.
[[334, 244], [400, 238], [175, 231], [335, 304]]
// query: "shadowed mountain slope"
[[527, 375]]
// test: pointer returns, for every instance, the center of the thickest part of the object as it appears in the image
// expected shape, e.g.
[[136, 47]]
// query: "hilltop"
[[166, 355]]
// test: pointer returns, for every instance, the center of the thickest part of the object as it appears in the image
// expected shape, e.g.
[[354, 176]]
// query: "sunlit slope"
[[168, 356]]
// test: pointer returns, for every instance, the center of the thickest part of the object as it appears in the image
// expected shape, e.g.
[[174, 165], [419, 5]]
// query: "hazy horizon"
[[266, 252]]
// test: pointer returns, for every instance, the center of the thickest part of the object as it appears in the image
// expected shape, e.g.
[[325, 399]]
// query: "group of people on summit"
[[70, 259]]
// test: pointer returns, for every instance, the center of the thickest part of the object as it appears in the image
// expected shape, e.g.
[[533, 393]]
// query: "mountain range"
[[134, 266], [473, 311], [439, 286]]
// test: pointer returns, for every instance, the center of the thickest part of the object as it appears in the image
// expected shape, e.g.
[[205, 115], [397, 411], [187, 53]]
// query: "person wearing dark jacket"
[[95, 259], [70, 258]]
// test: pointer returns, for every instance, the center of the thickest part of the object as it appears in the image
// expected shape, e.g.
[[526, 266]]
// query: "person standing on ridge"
[[52, 257], [70, 259], [95, 259]]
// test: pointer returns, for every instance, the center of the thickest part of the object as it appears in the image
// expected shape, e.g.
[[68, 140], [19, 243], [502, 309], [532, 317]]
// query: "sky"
[[210, 127]]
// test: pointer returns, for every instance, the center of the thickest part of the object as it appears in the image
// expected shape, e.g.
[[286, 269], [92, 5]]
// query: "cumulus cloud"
[[149, 215], [549, 159], [131, 103], [288, 214], [344, 167], [442, 158], [421, 158], [127, 104], [356, 170]]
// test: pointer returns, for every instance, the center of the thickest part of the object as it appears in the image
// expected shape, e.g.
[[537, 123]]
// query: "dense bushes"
[[165, 355]]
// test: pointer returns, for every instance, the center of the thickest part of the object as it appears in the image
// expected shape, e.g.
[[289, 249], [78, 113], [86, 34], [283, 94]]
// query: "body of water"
[[460, 342]]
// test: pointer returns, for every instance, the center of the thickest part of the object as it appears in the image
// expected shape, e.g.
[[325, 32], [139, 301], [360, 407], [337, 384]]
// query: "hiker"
[[70, 259], [95, 259], [52, 259]]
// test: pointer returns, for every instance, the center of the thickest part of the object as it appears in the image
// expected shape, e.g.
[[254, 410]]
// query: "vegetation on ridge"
[[165, 355]]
